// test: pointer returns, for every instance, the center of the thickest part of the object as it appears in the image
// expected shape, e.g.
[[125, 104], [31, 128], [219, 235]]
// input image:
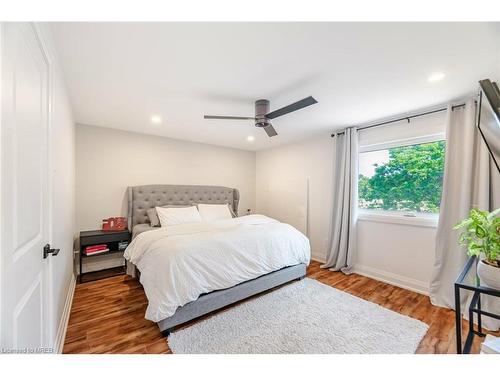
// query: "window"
[[407, 178]]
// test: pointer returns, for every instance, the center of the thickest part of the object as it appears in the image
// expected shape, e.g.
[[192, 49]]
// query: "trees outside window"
[[407, 178]]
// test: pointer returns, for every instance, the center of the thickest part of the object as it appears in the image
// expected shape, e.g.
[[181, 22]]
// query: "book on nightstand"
[[96, 249]]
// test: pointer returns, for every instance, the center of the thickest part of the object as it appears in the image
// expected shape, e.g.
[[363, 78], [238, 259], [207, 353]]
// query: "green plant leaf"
[[463, 223], [480, 233]]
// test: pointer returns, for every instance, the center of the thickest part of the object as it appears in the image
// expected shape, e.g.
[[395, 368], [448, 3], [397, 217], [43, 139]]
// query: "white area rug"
[[303, 317]]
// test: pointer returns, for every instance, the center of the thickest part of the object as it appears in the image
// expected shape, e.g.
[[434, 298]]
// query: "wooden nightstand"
[[97, 237]]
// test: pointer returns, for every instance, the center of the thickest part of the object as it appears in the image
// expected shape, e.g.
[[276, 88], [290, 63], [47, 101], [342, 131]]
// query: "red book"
[[96, 247], [95, 252]]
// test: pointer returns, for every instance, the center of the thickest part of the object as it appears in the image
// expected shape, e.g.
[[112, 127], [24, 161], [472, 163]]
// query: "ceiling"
[[120, 74]]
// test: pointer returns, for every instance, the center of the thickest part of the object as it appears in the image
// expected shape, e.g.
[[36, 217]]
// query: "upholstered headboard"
[[142, 198]]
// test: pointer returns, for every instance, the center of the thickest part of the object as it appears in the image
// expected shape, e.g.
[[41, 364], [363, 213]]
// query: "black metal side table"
[[463, 282]]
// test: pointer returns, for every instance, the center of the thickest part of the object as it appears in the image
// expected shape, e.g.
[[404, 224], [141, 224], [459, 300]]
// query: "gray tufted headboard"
[[142, 198]]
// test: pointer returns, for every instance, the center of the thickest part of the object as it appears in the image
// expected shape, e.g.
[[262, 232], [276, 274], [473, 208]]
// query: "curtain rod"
[[403, 118]]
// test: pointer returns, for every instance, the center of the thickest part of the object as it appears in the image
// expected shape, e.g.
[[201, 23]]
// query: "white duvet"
[[181, 262]]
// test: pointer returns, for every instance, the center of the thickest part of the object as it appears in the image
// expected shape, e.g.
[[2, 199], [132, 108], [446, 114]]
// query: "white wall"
[[281, 176], [62, 165], [395, 253], [107, 161]]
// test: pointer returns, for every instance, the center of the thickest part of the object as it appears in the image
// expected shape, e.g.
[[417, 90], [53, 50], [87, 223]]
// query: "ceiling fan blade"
[[227, 118], [271, 132], [292, 107]]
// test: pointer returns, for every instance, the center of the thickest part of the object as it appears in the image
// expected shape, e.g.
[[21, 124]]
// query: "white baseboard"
[[404, 282], [385, 276], [63, 324], [393, 279]]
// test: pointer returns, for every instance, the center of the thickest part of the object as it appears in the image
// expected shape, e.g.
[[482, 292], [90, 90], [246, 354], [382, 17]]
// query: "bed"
[[192, 270]]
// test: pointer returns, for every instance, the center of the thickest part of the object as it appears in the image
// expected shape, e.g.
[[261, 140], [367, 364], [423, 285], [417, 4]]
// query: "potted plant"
[[481, 235]]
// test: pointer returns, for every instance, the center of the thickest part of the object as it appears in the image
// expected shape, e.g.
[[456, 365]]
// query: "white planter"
[[489, 275]]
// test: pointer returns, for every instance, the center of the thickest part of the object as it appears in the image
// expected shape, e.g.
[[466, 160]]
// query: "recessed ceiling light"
[[250, 138], [436, 77], [155, 119]]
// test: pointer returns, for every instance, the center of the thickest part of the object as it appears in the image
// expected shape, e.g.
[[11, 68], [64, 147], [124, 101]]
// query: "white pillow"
[[212, 212], [178, 215]]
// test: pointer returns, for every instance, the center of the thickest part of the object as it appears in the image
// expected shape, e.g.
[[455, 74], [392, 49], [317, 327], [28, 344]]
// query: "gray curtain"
[[470, 181], [342, 246]]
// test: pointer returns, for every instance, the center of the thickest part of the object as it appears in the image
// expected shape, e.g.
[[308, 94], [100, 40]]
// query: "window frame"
[[400, 217]]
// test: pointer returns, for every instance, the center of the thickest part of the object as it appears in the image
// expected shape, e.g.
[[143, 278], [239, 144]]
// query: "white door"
[[24, 189]]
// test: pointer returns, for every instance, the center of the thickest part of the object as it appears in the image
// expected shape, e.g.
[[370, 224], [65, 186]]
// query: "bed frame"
[[142, 198]]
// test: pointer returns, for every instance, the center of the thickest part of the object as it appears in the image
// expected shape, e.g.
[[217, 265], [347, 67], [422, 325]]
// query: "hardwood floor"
[[107, 316]]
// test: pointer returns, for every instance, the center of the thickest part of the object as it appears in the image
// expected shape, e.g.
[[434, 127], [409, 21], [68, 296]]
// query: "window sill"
[[430, 221]]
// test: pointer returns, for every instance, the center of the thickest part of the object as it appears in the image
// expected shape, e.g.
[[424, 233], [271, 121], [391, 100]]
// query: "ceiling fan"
[[263, 116]]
